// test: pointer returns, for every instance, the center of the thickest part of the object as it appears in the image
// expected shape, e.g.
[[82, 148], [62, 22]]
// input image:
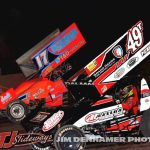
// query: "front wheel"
[[42, 145], [16, 111], [69, 137]]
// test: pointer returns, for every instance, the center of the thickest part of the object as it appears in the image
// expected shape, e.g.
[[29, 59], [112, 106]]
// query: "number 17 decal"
[[135, 38]]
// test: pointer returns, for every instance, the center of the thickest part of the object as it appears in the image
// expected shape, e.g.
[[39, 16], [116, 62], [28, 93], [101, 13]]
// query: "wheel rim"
[[17, 111], [71, 145]]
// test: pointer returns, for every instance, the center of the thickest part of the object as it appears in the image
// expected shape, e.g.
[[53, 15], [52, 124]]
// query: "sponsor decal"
[[145, 51], [104, 88], [135, 38], [99, 81], [94, 117], [56, 47], [40, 91], [134, 41], [134, 122], [53, 121], [117, 51], [132, 62], [147, 100], [13, 138], [58, 50], [40, 117], [92, 65], [119, 73], [48, 70], [60, 59], [104, 68], [95, 64], [6, 97], [108, 78], [91, 118]]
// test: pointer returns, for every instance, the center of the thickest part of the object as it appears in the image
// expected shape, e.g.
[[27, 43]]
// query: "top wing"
[[25, 62], [116, 61], [63, 47], [52, 51]]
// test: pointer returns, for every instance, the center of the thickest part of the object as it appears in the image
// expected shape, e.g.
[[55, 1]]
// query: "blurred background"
[[25, 23]]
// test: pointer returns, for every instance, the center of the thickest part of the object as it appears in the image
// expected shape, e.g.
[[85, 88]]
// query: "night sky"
[[23, 24]]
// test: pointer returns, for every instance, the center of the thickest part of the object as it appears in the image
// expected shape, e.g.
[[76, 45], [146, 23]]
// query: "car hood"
[[25, 86]]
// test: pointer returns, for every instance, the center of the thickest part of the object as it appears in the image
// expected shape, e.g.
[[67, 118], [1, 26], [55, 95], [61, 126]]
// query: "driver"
[[128, 97]]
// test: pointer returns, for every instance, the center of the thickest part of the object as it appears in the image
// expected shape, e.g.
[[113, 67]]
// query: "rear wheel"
[[16, 111], [69, 137], [145, 124]]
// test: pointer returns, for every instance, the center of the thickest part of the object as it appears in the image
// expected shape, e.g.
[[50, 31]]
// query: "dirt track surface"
[[8, 126]]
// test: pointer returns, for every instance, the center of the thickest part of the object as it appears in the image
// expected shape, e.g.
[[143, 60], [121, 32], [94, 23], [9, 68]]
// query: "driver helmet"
[[126, 92]]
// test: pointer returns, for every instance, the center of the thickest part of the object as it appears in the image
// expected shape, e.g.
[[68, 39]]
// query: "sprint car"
[[91, 120], [41, 85], [92, 96], [17, 103]]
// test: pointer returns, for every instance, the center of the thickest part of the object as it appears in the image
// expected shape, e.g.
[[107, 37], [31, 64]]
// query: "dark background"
[[25, 23]]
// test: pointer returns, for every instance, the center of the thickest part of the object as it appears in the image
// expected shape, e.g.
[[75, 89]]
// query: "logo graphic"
[[53, 121], [13, 138], [91, 118], [40, 117], [147, 100], [94, 117], [118, 51], [91, 66], [119, 73], [5, 98], [57, 47], [132, 62], [104, 88], [145, 51]]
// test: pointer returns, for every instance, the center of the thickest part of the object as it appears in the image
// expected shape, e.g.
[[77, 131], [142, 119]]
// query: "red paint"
[[68, 50], [35, 90], [103, 101]]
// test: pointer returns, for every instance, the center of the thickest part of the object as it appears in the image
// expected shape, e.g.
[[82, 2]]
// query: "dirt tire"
[[40, 145], [145, 124], [16, 111], [69, 131]]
